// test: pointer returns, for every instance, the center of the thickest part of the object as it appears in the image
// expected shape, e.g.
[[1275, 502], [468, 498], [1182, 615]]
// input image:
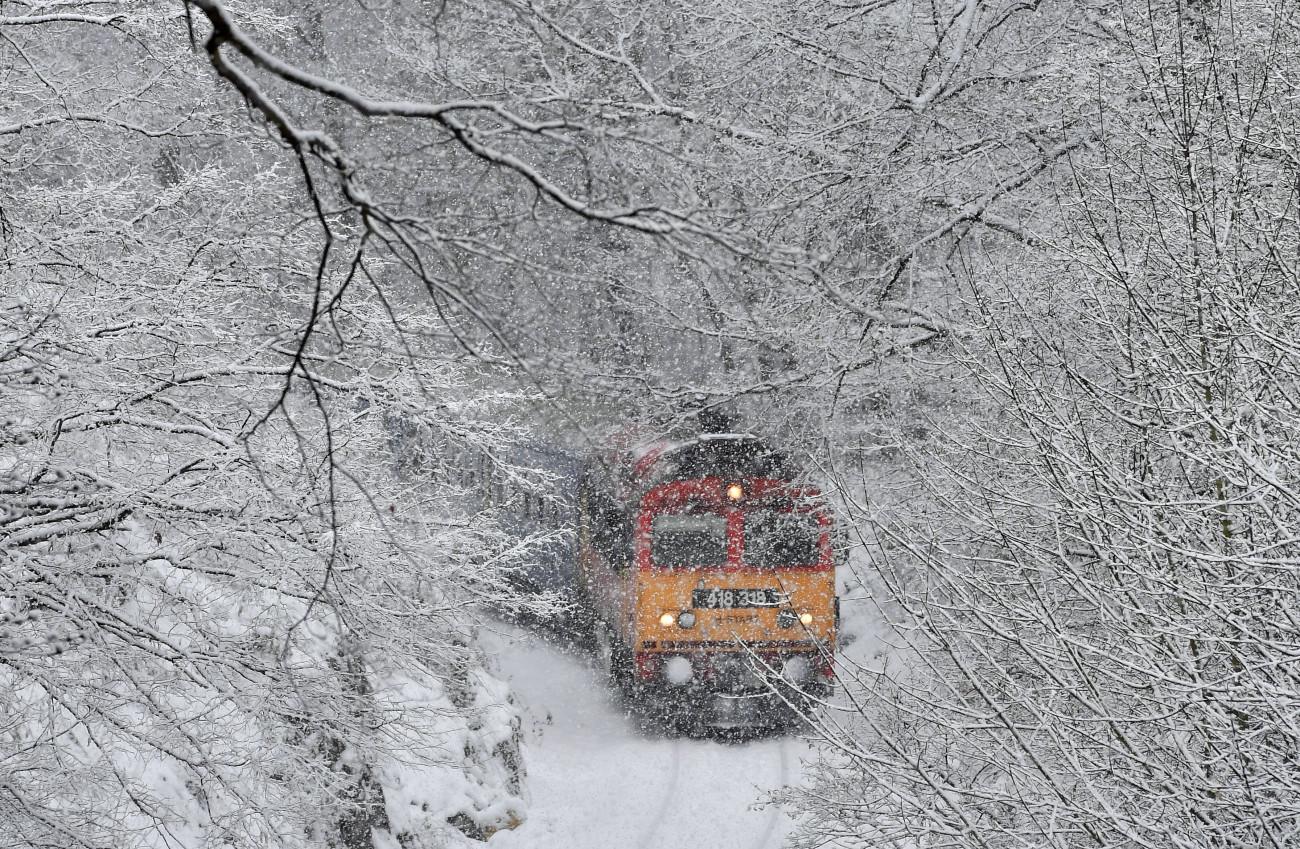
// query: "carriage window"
[[782, 539], [688, 539]]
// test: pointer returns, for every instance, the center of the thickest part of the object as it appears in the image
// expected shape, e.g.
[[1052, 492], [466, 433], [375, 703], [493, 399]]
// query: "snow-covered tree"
[[267, 270], [236, 555], [655, 201], [1095, 594]]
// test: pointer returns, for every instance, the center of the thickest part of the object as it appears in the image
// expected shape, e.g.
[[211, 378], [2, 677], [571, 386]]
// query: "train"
[[707, 573]]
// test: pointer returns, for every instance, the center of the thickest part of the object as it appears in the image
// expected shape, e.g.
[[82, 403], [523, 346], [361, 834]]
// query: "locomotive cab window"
[[782, 539], [688, 539]]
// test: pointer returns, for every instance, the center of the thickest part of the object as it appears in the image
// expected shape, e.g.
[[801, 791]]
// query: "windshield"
[[688, 539], [782, 539]]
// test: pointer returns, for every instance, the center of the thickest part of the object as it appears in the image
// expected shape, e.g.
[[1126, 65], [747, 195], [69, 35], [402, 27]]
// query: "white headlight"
[[797, 669], [677, 670]]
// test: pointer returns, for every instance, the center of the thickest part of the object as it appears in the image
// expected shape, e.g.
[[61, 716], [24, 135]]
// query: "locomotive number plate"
[[725, 599]]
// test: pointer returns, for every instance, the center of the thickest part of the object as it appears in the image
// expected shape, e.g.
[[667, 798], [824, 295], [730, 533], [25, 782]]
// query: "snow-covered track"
[[774, 814], [598, 777], [666, 802]]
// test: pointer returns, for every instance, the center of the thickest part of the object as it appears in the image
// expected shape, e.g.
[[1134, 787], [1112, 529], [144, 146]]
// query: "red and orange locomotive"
[[711, 578]]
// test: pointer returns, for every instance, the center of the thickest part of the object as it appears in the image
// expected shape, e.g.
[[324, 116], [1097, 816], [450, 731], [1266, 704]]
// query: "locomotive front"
[[713, 584]]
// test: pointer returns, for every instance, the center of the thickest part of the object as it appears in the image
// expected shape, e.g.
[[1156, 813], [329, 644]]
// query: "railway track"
[[599, 778], [666, 803], [677, 803], [765, 840]]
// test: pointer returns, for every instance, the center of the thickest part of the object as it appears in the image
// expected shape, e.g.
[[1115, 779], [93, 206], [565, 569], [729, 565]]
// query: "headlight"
[[667, 619], [797, 669], [678, 670], [786, 618], [686, 619], [806, 618]]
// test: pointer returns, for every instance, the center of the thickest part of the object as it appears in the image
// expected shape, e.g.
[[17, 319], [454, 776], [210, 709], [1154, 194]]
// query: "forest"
[[300, 302]]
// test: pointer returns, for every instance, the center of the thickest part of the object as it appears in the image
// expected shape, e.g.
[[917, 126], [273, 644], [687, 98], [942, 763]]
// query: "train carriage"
[[710, 576]]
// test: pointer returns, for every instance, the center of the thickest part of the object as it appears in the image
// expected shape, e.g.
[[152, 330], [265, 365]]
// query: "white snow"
[[597, 778]]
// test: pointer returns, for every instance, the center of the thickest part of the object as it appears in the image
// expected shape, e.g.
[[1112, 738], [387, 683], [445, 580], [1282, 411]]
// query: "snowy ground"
[[597, 778]]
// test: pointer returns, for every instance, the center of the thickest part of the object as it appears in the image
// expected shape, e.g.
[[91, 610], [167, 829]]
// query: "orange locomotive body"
[[711, 578]]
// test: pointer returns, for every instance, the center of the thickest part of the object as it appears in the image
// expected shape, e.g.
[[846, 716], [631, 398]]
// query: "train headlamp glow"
[[806, 618], [797, 669], [667, 619], [734, 492], [678, 670]]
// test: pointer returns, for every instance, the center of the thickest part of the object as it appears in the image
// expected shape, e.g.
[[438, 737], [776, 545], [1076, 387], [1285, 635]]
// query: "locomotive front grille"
[[688, 645], [737, 673]]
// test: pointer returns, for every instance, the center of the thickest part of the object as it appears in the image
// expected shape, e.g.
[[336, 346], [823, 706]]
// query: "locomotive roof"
[[728, 455]]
